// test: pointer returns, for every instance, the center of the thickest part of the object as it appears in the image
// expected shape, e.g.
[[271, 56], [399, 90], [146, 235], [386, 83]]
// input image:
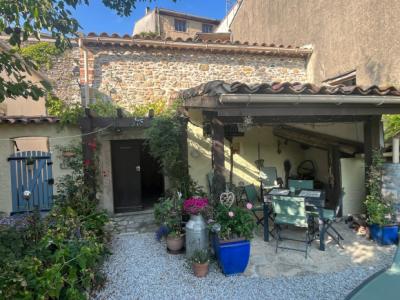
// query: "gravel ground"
[[140, 268]]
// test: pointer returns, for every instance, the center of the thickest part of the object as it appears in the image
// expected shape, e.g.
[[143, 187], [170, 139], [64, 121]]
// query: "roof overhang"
[[281, 105]]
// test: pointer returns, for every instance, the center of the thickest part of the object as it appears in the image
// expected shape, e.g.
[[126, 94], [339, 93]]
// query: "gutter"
[[305, 99], [85, 100]]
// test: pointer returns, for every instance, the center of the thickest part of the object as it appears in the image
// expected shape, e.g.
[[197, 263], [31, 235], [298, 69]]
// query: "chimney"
[[147, 10]]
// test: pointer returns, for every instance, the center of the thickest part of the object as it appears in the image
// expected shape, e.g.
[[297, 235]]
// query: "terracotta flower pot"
[[200, 270], [174, 243]]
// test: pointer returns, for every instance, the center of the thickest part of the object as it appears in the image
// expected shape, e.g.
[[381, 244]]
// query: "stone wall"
[[132, 75], [64, 75]]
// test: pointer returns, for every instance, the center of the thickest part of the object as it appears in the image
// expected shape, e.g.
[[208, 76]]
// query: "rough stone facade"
[[64, 75], [132, 75]]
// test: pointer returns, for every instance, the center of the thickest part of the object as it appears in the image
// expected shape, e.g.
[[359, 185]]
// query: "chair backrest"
[[301, 184], [251, 193], [292, 209], [268, 176]]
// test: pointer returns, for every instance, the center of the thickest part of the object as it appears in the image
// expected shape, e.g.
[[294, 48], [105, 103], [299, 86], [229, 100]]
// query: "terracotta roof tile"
[[207, 43], [27, 120], [218, 87]]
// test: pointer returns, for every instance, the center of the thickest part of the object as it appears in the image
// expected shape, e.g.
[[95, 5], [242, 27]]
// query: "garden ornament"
[[227, 199]]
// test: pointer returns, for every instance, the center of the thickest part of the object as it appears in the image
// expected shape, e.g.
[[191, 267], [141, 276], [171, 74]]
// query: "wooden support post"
[[373, 138], [337, 180], [218, 185], [395, 151], [184, 144]]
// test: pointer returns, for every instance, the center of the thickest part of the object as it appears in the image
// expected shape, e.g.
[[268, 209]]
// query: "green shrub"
[[57, 257]]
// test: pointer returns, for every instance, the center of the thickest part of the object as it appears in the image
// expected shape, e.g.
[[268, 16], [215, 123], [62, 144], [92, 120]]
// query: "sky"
[[97, 18]]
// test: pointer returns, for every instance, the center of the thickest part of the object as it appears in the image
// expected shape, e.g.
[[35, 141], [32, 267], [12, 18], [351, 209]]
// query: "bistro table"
[[313, 198]]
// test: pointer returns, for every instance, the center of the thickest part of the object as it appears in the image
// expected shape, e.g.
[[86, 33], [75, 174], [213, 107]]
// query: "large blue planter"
[[384, 235], [233, 257]]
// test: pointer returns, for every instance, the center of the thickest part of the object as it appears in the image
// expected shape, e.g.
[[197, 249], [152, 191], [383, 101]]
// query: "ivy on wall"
[[40, 54]]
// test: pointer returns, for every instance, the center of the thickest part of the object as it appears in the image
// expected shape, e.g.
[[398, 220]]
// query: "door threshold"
[[135, 213]]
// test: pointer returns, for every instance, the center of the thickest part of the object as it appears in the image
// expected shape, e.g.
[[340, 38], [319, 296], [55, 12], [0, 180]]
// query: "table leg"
[[266, 222], [322, 230]]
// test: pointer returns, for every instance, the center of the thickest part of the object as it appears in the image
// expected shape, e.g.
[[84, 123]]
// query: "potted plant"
[[380, 212], [175, 240], [168, 215], [199, 262], [196, 227], [233, 229]]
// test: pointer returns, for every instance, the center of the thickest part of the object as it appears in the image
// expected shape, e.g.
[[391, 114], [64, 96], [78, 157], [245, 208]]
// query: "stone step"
[[135, 222]]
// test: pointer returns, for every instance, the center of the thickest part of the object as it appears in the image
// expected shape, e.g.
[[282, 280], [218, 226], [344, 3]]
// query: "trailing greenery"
[[164, 138], [58, 256], [40, 53], [71, 113], [379, 210], [392, 125]]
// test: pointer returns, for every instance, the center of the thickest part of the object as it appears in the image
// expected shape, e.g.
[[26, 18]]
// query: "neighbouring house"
[[346, 36], [168, 23]]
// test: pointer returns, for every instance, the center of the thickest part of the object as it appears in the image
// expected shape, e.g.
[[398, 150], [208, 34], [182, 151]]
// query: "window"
[[347, 79], [207, 28], [180, 25]]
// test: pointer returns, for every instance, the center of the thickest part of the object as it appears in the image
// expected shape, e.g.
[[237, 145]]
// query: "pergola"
[[224, 104]]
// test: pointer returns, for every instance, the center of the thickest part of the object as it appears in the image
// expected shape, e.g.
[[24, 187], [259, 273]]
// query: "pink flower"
[[194, 205], [249, 205], [231, 214]]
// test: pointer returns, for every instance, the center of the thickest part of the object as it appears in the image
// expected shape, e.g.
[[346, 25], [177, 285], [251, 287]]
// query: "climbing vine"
[[40, 54]]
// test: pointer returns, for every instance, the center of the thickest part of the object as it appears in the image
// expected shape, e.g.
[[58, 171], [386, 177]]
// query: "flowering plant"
[[195, 206], [233, 222]]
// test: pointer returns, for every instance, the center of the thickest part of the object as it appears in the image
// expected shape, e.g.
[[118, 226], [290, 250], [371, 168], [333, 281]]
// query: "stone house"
[[351, 40], [238, 114], [168, 23]]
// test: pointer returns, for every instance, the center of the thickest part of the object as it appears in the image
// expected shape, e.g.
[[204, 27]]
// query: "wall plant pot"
[[232, 255], [384, 234], [200, 270]]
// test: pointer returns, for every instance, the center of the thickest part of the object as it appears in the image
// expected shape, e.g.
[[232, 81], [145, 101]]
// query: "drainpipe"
[[396, 144], [85, 100]]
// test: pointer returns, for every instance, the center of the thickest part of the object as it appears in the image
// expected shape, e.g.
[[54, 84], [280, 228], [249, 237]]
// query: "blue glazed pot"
[[233, 256], [384, 235]]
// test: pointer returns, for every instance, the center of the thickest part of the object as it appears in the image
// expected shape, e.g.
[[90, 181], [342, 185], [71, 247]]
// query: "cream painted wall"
[[350, 131], [320, 159], [8, 131], [245, 170], [105, 194]]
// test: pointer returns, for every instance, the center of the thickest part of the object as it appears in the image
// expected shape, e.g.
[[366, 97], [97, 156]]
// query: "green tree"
[[21, 19]]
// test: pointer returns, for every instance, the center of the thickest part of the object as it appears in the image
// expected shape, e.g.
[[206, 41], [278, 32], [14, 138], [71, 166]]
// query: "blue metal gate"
[[31, 181]]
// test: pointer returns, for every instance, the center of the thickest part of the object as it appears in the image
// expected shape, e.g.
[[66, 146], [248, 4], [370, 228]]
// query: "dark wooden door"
[[126, 175]]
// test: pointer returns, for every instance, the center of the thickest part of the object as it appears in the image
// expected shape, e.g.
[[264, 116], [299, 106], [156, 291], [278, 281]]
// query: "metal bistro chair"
[[329, 217], [252, 197], [291, 211]]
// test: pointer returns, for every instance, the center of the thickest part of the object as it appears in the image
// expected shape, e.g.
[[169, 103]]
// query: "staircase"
[[134, 222]]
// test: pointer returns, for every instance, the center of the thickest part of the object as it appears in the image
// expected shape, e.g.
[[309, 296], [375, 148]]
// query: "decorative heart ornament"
[[227, 199]]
